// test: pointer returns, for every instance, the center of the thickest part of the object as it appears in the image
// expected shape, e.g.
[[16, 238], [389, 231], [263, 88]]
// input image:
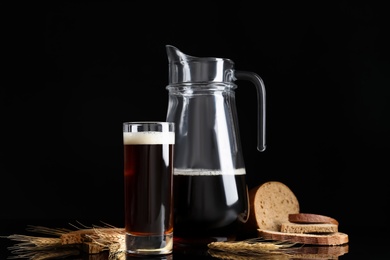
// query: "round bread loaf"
[[270, 205]]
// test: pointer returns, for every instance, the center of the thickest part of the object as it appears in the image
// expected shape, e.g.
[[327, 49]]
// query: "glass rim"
[[148, 126]]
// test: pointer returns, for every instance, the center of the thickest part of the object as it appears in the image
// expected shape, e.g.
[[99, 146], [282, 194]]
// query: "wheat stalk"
[[52, 254], [34, 242], [91, 240], [250, 249], [96, 239]]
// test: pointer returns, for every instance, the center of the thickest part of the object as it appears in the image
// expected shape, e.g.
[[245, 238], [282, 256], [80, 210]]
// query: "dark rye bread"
[[328, 239], [273, 204], [270, 205], [308, 218]]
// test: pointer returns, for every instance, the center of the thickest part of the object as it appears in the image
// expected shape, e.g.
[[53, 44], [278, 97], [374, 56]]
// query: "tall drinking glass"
[[148, 171]]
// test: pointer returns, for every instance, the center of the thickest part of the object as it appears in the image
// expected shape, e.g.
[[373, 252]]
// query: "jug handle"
[[258, 82]]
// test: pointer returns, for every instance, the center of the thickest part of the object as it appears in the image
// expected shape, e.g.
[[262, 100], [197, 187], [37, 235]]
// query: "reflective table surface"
[[363, 244]]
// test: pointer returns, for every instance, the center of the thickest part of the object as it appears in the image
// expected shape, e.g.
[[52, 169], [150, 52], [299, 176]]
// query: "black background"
[[327, 76]]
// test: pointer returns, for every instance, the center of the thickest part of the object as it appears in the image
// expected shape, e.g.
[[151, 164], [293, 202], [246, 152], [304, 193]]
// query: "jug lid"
[[184, 68]]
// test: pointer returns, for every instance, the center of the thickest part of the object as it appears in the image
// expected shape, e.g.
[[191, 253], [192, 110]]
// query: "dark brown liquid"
[[148, 182], [207, 206]]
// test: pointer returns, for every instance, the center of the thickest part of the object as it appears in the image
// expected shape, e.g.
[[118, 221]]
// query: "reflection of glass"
[[162, 257]]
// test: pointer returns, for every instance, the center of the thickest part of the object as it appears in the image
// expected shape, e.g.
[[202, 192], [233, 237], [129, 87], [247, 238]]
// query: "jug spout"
[[184, 68], [175, 55]]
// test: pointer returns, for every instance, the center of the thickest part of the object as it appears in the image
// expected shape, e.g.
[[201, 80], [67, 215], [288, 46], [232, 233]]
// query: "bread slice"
[[289, 227], [270, 205], [336, 238], [308, 218]]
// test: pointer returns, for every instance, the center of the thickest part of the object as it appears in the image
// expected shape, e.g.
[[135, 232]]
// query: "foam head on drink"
[[149, 138]]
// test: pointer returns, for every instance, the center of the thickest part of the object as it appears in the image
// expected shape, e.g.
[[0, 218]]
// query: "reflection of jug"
[[210, 191]]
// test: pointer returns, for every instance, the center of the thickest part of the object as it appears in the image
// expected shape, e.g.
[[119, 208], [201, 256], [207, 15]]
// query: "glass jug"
[[210, 191]]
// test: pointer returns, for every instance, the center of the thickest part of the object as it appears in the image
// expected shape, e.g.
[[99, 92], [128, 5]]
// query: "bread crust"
[[270, 204], [309, 218]]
